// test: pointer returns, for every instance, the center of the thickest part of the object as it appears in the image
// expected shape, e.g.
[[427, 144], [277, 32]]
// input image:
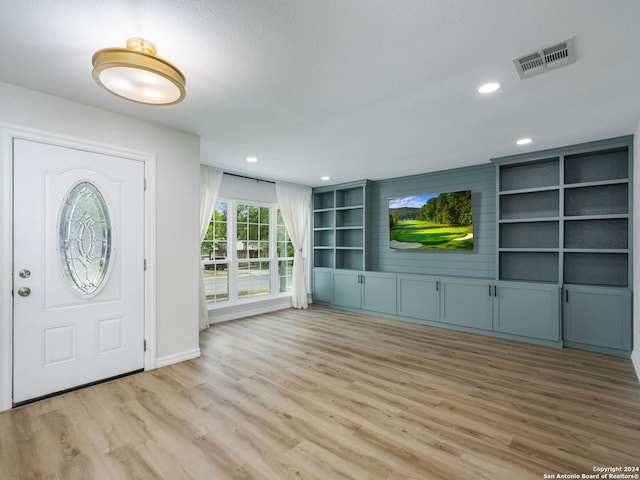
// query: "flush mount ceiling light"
[[135, 73], [489, 87], [251, 160], [524, 141]]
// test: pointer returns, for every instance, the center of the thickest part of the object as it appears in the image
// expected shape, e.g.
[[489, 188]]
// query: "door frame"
[[7, 134]]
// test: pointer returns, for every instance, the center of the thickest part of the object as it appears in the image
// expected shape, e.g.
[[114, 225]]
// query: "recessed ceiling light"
[[325, 178], [489, 87], [252, 159], [524, 141]]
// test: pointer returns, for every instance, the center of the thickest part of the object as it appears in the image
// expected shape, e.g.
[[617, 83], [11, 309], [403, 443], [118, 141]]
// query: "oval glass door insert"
[[85, 238]]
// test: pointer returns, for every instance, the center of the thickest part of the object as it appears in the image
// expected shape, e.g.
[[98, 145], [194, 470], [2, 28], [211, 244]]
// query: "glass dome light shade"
[[135, 73]]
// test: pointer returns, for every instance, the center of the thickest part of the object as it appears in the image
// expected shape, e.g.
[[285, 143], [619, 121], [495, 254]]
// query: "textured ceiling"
[[347, 88]]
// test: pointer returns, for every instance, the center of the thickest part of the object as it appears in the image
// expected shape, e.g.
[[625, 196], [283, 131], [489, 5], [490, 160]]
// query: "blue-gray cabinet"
[[371, 291], [516, 308], [322, 289], [467, 302], [598, 319], [379, 292], [519, 310], [347, 289], [527, 309], [419, 297]]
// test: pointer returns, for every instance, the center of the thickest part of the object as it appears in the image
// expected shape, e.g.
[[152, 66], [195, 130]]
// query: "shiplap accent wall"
[[481, 263]]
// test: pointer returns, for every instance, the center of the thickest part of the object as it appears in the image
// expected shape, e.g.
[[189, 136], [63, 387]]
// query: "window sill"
[[254, 306]]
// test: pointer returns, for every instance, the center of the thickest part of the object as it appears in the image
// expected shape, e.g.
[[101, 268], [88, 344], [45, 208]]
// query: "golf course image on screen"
[[433, 221]]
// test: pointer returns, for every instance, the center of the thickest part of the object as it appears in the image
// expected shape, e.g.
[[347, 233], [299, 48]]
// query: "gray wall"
[[481, 263]]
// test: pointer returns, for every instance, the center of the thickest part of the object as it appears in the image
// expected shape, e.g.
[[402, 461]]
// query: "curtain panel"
[[210, 180], [295, 204]]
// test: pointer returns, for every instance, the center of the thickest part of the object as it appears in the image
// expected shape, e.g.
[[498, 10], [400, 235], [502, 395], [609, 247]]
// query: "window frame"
[[232, 261]]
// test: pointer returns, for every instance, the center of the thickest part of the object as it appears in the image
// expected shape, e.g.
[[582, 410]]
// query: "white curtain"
[[210, 180], [295, 203]]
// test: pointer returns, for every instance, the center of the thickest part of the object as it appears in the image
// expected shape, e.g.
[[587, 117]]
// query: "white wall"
[[635, 355], [177, 199]]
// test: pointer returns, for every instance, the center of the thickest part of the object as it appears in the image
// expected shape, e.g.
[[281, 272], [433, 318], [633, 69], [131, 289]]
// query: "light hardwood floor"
[[323, 394]]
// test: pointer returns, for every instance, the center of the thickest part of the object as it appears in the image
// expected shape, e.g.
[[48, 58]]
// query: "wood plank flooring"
[[323, 394]]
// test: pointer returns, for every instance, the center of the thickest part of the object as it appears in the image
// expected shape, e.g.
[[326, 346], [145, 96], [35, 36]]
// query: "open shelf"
[[529, 235], [323, 219], [596, 234], [349, 238], [352, 217], [323, 258], [591, 268], [323, 200], [350, 197], [529, 266], [596, 166], [597, 200], [529, 205], [350, 259], [323, 238], [544, 173]]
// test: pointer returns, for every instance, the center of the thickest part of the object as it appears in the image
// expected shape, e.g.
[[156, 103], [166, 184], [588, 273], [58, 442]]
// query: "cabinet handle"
[[489, 290], [495, 290], [566, 295], [437, 285]]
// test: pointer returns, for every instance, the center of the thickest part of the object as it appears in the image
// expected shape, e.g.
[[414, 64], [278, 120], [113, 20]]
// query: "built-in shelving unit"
[[596, 218], [529, 210], [339, 226], [564, 217]]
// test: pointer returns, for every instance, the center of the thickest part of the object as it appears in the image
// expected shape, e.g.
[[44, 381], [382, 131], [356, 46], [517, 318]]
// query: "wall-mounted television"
[[433, 221]]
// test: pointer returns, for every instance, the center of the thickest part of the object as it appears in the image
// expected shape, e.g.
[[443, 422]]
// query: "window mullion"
[[273, 255], [232, 218]]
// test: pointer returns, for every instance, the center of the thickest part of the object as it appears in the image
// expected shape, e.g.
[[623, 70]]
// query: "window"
[[246, 255], [252, 234], [285, 255], [213, 252]]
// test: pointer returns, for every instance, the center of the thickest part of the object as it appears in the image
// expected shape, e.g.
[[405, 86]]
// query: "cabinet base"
[[598, 349]]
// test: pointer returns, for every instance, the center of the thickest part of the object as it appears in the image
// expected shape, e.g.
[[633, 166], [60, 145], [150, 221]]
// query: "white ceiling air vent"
[[545, 59]]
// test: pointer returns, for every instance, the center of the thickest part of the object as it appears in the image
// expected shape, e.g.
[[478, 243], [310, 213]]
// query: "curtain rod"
[[249, 178]]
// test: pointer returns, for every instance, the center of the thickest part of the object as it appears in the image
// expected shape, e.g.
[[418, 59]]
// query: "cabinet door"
[[468, 303], [322, 285], [526, 309], [419, 297], [379, 293], [599, 317], [347, 289]]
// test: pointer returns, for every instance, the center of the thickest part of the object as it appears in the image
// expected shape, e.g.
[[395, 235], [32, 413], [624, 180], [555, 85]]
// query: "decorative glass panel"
[[85, 238]]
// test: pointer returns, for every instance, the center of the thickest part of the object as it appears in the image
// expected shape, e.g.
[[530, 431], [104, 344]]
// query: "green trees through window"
[[247, 254]]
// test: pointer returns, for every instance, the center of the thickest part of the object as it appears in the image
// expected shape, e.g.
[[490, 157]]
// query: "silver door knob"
[[24, 291], [24, 273]]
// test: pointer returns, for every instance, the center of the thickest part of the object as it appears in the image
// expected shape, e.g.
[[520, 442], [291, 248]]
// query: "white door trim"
[[7, 134]]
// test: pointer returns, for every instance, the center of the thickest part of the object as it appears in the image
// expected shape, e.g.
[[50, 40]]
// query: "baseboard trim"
[[177, 357], [249, 309]]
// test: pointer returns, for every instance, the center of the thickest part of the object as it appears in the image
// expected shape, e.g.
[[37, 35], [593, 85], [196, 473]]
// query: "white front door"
[[78, 269]]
